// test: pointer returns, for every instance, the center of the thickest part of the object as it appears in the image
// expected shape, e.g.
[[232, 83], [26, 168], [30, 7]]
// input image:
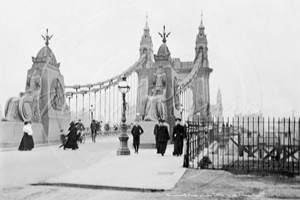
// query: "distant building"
[[217, 110]]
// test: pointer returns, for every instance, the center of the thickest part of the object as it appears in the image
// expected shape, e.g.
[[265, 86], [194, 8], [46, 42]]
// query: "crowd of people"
[[75, 131], [162, 137]]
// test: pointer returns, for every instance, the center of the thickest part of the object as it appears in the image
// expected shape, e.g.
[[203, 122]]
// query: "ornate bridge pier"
[[43, 103]]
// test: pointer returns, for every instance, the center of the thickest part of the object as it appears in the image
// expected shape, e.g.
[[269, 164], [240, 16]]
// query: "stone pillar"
[[53, 110], [201, 93]]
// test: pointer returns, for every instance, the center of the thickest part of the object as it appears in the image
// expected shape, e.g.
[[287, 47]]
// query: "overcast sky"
[[253, 45]]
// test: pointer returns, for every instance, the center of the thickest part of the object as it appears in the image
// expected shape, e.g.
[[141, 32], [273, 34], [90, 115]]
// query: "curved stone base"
[[123, 151]]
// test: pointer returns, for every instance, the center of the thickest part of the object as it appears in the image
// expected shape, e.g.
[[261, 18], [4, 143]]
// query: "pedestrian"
[[136, 131], [178, 136], [99, 128], [72, 137], [62, 138], [93, 130], [80, 128], [156, 127], [27, 141], [162, 138]]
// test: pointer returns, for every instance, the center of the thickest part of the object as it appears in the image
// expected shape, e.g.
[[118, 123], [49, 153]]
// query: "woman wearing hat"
[[162, 138], [178, 135], [72, 137]]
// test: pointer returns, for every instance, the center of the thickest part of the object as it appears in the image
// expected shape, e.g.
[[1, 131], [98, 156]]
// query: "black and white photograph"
[[174, 99]]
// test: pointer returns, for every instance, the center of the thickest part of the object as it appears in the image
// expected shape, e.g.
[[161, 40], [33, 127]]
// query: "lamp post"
[[123, 149]]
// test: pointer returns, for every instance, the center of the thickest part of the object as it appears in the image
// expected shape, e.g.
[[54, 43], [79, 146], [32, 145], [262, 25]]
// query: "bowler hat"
[[178, 119]]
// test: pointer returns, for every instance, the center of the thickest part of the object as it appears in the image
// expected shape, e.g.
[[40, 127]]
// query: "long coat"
[[72, 138], [156, 127], [136, 132], [93, 126], [162, 139], [178, 136]]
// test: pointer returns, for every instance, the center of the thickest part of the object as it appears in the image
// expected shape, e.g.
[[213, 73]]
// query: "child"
[[62, 137]]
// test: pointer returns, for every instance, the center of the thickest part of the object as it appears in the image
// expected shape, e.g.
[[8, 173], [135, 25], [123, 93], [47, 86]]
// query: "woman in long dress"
[[27, 140], [72, 138]]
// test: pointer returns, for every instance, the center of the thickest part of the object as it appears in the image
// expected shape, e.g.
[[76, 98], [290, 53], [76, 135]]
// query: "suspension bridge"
[[177, 89], [160, 87]]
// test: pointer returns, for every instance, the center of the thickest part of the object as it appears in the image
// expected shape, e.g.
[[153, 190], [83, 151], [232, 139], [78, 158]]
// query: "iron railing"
[[244, 145]]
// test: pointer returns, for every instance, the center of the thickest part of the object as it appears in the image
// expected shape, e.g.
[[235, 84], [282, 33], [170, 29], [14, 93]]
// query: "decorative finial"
[[47, 38], [164, 36], [146, 26], [201, 25], [201, 15]]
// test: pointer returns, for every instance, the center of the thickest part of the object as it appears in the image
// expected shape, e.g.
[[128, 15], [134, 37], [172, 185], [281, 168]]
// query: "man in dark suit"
[[156, 127], [93, 130], [178, 136], [136, 132], [80, 127], [162, 138]]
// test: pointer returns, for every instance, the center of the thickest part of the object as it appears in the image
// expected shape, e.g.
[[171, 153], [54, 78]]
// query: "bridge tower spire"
[[146, 46], [219, 104], [201, 41], [143, 72], [201, 89]]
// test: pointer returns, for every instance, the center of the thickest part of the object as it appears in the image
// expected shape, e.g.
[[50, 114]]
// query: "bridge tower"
[[146, 49], [200, 86], [43, 102]]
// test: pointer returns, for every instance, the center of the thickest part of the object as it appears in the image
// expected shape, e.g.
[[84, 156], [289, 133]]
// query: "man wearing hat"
[[136, 132], [156, 127], [93, 130], [178, 135], [79, 126], [162, 138]]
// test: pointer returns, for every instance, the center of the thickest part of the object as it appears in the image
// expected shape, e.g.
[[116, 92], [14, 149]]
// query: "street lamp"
[[123, 149]]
